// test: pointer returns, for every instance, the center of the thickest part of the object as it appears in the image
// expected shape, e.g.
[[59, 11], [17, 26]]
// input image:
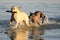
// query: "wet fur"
[[18, 16], [35, 17]]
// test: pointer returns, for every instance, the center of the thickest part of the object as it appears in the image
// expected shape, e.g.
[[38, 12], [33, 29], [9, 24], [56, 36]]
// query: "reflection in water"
[[25, 33], [36, 32], [11, 33]]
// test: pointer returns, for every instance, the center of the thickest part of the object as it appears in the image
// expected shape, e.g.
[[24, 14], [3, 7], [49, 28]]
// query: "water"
[[53, 34], [50, 9]]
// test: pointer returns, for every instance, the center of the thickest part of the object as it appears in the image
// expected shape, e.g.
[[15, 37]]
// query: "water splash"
[[48, 21]]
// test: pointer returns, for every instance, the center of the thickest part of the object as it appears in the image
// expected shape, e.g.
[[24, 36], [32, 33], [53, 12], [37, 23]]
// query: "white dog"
[[18, 16]]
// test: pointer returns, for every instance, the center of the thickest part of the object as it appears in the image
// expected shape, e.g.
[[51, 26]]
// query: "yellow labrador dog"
[[18, 16]]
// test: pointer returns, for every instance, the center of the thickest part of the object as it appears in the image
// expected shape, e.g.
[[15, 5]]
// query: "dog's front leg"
[[11, 21], [16, 25]]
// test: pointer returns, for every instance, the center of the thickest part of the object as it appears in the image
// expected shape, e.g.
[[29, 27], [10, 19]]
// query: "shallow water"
[[51, 9], [50, 31], [53, 34]]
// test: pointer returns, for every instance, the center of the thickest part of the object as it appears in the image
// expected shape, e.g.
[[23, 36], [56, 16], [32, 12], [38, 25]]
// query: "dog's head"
[[14, 9]]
